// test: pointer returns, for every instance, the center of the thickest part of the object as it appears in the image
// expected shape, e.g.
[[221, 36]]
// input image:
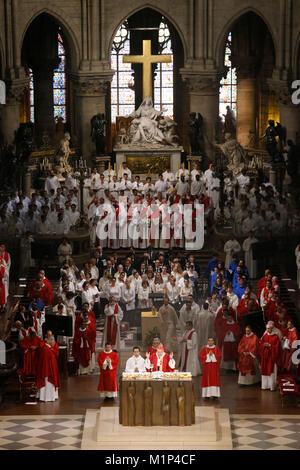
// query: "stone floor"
[[64, 432]]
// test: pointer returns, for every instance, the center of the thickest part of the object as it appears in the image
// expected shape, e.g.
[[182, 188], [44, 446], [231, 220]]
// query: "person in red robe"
[[79, 317], [155, 343], [46, 282], [269, 351], [221, 313], [210, 357], [288, 350], [31, 345], [40, 289], [248, 351], [246, 305], [2, 287], [83, 348], [228, 339], [263, 282], [108, 362], [160, 361], [47, 377]]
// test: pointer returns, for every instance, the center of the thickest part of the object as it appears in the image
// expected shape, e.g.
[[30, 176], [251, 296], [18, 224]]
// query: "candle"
[[189, 166]]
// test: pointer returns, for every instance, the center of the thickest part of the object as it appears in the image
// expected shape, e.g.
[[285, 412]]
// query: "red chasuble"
[[246, 364], [261, 285], [84, 345], [47, 367], [2, 286], [45, 293], [165, 363], [30, 355], [152, 350], [230, 349], [269, 356], [108, 377], [211, 370], [78, 319]]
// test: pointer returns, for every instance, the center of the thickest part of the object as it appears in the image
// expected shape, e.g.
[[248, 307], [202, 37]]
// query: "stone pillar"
[[10, 113], [43, 99], [289, 112], [90, 99], [246, 98], [203, 95]]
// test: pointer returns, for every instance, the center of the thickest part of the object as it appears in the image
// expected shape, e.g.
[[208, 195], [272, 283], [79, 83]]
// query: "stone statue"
[[98, 127], [150, 128], [234, 153], [230, 122], [24, 141], [196, 133], [271, 133], [63, 153]]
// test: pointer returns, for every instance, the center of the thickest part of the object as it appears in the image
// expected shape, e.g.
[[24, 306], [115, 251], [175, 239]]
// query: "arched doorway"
[[45, 57], [126, 87]]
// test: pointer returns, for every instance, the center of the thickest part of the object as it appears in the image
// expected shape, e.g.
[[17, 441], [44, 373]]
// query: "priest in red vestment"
[[229, 335], [160, 361], [83, 348], [47, 377], [269, 351], [288, 350], [79, 317], [155, 343], [108, 362], [30, 345], [248, 351], [40, 289], [210, 357], [263, 281]]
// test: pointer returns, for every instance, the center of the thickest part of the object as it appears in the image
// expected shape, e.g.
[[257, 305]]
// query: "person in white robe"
[[64, 251], [188, 313], [204, 326], [231, 247], [249, 261], [189, 357], [136, 363], [26, 261], [168, 326], [114, 314], [128, 295]]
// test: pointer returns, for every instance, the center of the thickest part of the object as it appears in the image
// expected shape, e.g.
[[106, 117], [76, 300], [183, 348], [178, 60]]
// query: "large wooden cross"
[[147, 60]]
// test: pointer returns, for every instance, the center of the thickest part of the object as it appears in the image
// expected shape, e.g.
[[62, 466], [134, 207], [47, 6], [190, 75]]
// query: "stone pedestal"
[[101, 162], [148, 161]]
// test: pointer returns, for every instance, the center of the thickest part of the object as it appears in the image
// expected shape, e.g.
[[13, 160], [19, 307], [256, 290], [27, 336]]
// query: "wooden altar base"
[[211, 431]]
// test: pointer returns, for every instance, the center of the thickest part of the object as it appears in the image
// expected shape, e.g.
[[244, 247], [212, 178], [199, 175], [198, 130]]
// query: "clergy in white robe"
[[168, 326], [189, 358], [249, 261], [64, 251], [128, 295], [231, 247], [113, 317], [135, 363]]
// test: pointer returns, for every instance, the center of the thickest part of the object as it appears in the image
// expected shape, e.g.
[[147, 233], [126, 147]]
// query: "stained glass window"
[[228, 89], [59, 86], [122, 94], [164, 80], [59, 83]]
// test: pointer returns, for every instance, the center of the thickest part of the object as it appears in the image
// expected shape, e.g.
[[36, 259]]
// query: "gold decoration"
[[147, 60], [148, 164]]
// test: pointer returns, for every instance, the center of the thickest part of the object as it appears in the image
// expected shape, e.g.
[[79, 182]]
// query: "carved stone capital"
[[15, 91], [92, 85], [202, 84], [282, 91]]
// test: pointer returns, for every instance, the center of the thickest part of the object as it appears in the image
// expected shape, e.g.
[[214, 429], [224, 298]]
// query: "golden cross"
[[147, 60]]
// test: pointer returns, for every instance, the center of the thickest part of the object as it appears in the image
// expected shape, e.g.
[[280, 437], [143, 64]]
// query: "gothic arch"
[[67, 30], [159, 10], [220, 44]]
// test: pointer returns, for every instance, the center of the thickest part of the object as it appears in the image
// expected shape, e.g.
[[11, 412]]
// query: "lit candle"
[[189, 166]]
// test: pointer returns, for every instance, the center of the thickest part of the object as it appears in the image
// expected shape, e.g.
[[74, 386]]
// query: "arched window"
[[164, 80], [228, 89], [122, 96], [59, 86]]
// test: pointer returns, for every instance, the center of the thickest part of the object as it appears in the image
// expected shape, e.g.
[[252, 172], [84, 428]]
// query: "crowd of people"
[[109, 288]]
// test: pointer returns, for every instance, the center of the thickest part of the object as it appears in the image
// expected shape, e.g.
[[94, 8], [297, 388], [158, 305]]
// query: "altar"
[[148, 161], [157, 400]]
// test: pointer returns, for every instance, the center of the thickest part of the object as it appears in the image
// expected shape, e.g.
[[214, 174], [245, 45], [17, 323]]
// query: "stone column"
[[10, 113], [246, 98], [203, 95], [90, 99], [289, 112]]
